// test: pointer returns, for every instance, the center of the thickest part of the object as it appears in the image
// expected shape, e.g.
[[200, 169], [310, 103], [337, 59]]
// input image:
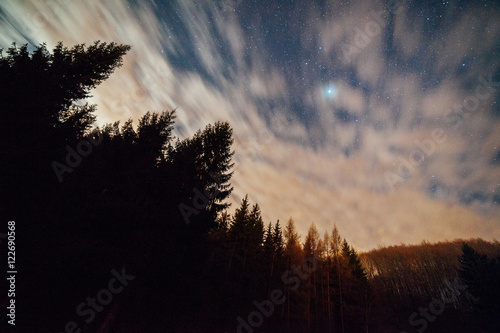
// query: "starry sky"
[[380, 116]]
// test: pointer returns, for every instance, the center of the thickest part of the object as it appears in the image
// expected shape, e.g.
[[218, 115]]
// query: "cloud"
[[300, 151]]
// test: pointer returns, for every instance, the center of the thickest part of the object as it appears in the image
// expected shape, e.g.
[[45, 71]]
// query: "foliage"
[[157, 205]]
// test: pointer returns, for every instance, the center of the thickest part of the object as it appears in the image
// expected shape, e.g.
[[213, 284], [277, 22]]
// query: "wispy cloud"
[[315, 130]]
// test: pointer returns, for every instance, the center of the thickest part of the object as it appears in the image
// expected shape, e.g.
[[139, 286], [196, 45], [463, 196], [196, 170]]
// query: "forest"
[[125, 228]]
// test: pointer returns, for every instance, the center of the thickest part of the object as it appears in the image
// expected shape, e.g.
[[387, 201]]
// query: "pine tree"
[[472, 270], [336, 245], [154, 134], [279, 246], [39, 116], [481, 276], [356, 289], [292, 241], [216, 160], [328, 262], [247, 232], [198, 172], [269, 246], [311, 250], [269, 255], [353, 261], [293, 256], [256, 229], [239, 231]]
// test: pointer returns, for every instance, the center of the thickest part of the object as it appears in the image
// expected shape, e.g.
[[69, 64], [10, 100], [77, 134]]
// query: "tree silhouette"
[[90, 200], [481, 276], [39, 115]]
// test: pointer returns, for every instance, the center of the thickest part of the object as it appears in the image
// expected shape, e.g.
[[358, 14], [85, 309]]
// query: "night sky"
[[382, 117]]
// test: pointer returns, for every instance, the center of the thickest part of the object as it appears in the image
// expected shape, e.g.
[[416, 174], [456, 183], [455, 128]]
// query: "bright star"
[[331, 91]]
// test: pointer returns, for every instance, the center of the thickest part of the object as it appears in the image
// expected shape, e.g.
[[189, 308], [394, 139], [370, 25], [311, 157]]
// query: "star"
[[331, 91]]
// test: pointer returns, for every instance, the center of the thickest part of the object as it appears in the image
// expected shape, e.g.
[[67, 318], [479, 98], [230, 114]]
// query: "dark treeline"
[[96, 207], [408, 278]]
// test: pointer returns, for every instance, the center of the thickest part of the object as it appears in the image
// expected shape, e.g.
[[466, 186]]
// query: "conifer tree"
[[39, 116], [293, 256], [311, 244], [311, 250], [336, 246], [481, 276], [292, 241], [269, 246], [256, 228], [278, 240]]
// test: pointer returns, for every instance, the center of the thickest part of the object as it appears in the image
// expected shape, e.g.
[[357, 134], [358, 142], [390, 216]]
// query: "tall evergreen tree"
[[256, 225], [356, 290], [279, 246], [240, 225], [481, 276], [269, 246], [293, 256], [39, 115], [199, 170], [311, 244], [42, 120], [337, 265], [311, 251], [473, 270], [292, 241]]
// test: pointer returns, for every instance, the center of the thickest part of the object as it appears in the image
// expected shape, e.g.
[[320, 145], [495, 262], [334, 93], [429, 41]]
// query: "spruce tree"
[[39, 116], [481, 276], [279, 246]]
